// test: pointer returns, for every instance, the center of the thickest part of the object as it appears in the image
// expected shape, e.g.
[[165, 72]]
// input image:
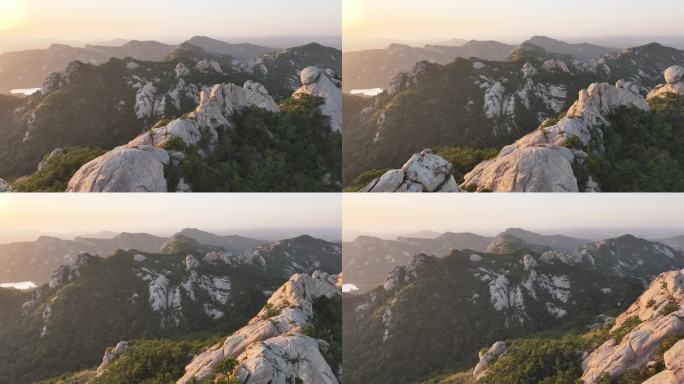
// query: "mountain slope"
[[641, 345], [109, 104], [450, 307], [480, 104], [26, 69], [239, 51], [97, 302], [376, 68], [36, 260], [231, 243], [279, 343], [579, 51], [368, 260], [607, 130]]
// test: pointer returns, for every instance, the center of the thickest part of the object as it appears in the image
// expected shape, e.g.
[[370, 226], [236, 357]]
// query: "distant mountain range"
[[368, 260], [36, 260], [455, 305], [183, 288], [30, 68], [376, 68]]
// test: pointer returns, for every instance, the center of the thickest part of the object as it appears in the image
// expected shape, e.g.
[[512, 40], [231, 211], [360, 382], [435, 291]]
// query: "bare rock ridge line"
[[657, 314], [272, 348], [542, 161]]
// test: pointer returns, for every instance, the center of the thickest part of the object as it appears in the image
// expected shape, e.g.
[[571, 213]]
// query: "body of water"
[[349, 288], [24, 91], [21, 285], [367, 92]]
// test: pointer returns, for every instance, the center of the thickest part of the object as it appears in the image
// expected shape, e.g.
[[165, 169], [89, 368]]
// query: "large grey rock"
[[674, 367], [639, 346], [323, 83], [423, 172], [271, 347], [674, 74], [539, 161], [674, 83], [123, 169]]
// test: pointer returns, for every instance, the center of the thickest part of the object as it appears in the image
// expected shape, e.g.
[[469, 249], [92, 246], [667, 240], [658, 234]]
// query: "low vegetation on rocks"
[[55, 176]]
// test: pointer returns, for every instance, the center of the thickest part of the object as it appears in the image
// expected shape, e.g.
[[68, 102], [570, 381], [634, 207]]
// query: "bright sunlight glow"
[[11, 13]]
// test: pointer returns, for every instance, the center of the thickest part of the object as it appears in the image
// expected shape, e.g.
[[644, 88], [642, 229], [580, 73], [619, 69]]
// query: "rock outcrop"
[[51, 156], [272, 348], [423, 172], [112, 355], [655, 315], [4, 186], [324, 83], [542, 161], [139, 165], [674, 364], [674, 83], [487, 358]]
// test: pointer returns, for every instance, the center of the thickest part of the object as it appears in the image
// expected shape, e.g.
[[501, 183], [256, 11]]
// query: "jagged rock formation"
[[139, 165], [674, 83], [325, 84], [272, 348], [655, 315], [487, 358], [674, 364], [111, 355], [423, 172], [541, 161], [51, 156]]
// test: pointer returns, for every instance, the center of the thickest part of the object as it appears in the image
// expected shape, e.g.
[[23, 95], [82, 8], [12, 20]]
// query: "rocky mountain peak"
[[272, 346], [324, 83]]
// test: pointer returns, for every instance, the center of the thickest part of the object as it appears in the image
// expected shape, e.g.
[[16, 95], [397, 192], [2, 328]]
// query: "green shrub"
[[56, 174], [670, 307], [363, 179], [625, 328]]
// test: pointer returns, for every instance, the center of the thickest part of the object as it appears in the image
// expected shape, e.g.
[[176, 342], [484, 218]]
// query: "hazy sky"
[[163, 213], [492, 213], [166, 19], [508, 20]]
